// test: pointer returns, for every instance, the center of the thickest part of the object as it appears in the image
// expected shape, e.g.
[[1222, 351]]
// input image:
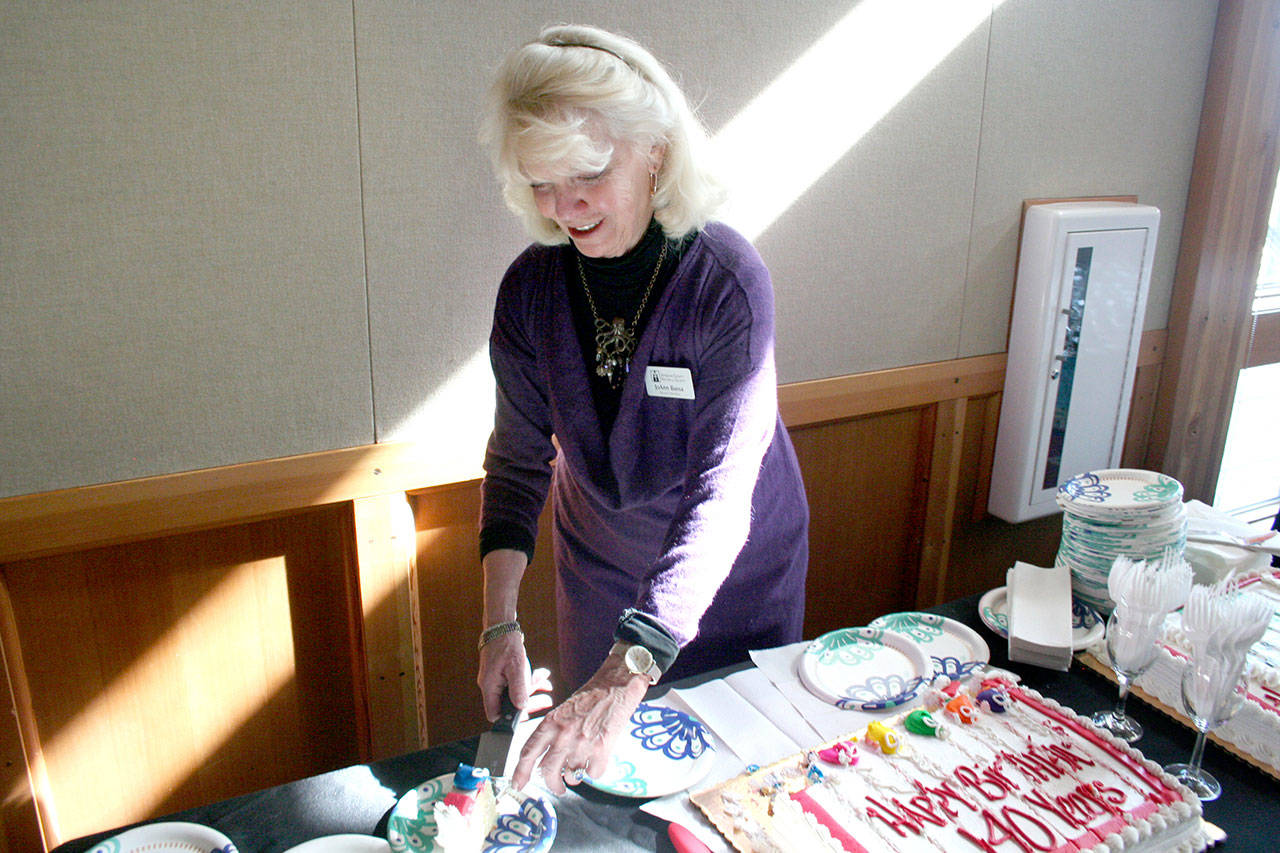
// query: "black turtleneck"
[[617, 288]]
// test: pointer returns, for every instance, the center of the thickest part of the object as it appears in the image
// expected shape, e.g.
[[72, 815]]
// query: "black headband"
[[590, 47]]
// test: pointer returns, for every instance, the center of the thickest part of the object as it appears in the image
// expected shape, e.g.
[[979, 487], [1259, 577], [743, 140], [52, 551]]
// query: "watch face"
[[639, 660]]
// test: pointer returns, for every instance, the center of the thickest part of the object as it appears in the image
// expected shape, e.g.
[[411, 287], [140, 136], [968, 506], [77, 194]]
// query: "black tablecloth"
[[358, 799]]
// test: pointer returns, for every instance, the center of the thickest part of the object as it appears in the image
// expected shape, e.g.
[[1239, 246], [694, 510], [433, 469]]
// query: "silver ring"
[[577, 775]]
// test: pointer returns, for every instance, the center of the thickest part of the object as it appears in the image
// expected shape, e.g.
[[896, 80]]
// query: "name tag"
[[674, 382]]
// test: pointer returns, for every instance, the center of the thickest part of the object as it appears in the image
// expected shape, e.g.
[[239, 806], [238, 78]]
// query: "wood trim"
[[48, 523], [1264, 341], [821, 400], [1232, 181], [986, 457], [27, 812], [940, 501], [386, 547], [111, 513]]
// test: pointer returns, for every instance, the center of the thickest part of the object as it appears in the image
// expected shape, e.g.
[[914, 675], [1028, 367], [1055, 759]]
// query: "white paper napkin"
[[780, 666], [738, 723], [677, 807], [1040, 615], [1216, 562], [755, 686]]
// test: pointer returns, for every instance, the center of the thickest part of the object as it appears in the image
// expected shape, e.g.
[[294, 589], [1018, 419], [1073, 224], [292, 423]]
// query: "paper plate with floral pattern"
[[167, 837], [954, 648], [526, 823], [865, 669], [663, 751], [1120, 492]]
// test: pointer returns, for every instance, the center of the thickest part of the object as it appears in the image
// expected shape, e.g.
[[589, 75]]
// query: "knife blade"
[[495, 745]]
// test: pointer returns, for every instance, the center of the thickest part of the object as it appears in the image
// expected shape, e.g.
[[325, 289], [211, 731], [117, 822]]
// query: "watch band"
[[641, 629]]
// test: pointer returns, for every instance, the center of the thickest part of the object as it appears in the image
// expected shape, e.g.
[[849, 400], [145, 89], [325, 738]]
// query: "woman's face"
[[605, 213]]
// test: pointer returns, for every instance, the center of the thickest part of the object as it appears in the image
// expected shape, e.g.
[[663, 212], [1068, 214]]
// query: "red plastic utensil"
[[684, 840]]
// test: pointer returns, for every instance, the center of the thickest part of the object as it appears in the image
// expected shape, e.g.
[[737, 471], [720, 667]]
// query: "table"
[[359, 798]]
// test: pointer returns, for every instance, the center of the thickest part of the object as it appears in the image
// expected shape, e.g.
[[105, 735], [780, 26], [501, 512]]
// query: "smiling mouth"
[[582, 232]]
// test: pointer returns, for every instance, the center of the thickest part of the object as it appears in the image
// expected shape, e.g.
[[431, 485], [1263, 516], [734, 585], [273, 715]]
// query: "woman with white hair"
[[632, 346]]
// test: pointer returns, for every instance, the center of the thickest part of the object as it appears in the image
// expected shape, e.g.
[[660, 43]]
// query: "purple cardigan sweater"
[[690, 510]]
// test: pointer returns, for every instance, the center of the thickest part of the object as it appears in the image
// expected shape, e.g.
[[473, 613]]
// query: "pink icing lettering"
[[1066, 806], [1151, 780], [990, 784], [1028, 765], [896, 817], [1072, 758], [1020, 822], [925, 808], [945, 794], [1009, 826], [997, 834], [1108, 799]]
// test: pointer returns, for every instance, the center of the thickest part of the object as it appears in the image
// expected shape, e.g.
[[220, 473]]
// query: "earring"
[[653, 184]]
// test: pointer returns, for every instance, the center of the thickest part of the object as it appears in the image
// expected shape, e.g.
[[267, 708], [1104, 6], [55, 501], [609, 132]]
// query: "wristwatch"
[[638, 659]]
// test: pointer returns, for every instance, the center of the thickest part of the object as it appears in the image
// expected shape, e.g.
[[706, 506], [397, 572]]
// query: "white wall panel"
[[180, 238], [439, 237], [1083, 98], [192, 197]]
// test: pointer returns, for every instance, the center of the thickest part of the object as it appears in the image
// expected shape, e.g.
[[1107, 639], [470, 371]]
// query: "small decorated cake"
[[467, 813], [1254, 731], [997, 769]]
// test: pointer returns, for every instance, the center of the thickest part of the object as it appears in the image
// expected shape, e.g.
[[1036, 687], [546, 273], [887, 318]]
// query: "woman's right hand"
[[504, 665]]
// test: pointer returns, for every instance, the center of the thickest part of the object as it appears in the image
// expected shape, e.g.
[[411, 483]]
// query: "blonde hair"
[[566, 99]]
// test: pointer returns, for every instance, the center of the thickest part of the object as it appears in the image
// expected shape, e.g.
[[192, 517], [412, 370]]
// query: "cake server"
[[495, 744]]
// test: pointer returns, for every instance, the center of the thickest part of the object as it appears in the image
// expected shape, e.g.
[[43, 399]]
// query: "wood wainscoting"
[[187, 638]]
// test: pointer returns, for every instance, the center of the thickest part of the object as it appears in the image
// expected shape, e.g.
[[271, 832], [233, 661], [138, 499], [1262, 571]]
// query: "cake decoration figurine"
[[993, 699], [921, 722], [883, 738], [962, 708], [844, 753]]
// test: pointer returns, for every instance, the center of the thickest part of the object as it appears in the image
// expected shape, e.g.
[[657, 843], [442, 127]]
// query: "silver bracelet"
[[493, 632]]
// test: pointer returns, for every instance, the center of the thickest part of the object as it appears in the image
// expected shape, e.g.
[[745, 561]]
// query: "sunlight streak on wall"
[[197, 684], [457, 417], [771, 153], [812, 114]]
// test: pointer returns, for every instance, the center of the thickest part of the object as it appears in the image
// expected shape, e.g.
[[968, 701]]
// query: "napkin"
[[1213, 562], [756, 687], [677, 808], [781, 666], [742, 727], [1040, 615]]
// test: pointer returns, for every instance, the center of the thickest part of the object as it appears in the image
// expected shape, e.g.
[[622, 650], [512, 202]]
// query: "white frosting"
[[1025, 771], [1255, 729], [459, 833]]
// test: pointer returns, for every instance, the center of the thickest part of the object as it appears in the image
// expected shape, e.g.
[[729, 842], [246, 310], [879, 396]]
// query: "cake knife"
[[495, 745]]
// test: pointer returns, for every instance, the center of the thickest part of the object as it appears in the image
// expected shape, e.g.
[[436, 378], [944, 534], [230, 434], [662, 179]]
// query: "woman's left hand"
[[577, 737]]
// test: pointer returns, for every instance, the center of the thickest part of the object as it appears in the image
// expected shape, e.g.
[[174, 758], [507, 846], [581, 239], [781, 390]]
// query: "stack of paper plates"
[[1114, 512]]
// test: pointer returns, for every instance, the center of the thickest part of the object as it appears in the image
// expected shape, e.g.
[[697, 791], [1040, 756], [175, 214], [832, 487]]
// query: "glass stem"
[[1197, 752], [1124, 696]]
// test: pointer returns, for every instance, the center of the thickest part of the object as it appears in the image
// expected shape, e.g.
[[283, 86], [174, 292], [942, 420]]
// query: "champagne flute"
[[1131, 649], [1213, 689]]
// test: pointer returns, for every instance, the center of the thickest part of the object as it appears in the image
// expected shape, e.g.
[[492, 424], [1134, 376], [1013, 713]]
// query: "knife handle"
[[508, 713], [685, 841]]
